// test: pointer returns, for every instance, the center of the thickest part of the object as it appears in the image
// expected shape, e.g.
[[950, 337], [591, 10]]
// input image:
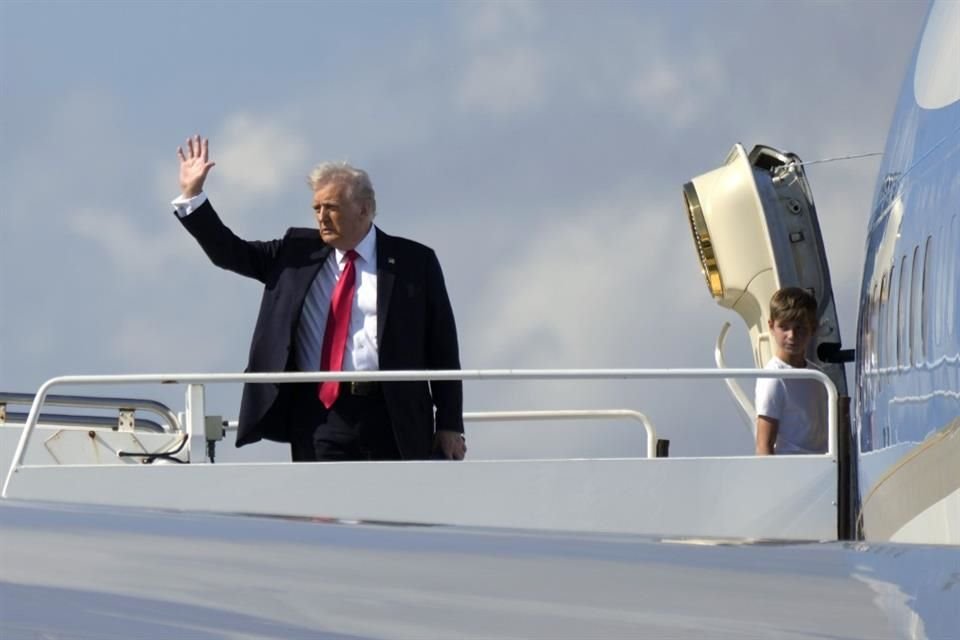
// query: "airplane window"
[[903, 296], [932, 289], [946, 280], [916, 311], [890, 340], [950, 300], [926, 315], [882, 359], [869, 342]]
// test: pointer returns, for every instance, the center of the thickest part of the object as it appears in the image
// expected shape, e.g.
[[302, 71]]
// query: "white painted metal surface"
[[749, 497], [194, 415], [938, 523], [115, 574], [69, 445]]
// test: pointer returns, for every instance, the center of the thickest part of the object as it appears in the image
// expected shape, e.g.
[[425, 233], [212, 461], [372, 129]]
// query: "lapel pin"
[[391, 261]]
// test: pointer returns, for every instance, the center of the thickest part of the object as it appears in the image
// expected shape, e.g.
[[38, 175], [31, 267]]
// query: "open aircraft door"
[[755, 229]]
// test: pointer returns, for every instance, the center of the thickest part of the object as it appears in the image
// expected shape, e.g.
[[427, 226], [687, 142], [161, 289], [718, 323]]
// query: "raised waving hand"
[[194, 165]]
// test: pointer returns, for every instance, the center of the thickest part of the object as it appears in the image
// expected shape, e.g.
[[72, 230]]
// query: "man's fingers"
[[451, 444], [205, 150], [456, 449], [180, 155], [207, 167]]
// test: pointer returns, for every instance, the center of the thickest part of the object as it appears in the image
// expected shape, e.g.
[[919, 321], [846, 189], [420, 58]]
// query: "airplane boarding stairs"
[[133, 463]]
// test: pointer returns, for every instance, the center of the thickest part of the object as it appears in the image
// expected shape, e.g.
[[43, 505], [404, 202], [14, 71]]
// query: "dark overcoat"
[[415, 327]]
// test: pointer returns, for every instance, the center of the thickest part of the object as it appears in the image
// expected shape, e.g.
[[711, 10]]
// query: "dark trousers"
[[356, 427]]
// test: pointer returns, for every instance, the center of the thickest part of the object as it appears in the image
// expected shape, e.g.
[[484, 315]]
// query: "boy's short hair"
[[793, 304]]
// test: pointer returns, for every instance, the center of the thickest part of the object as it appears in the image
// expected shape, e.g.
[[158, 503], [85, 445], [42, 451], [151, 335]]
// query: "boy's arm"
[[766, 435]]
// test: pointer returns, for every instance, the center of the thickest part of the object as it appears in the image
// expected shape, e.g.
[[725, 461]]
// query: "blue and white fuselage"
[[907, 404]]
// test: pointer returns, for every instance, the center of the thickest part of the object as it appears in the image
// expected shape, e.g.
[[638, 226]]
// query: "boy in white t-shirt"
[[791, 414]]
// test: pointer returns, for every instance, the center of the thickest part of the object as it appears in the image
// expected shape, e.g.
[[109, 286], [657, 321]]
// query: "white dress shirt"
[[361, 348]]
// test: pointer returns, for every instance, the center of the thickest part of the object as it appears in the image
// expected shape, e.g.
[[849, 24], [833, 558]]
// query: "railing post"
[[194, 415], [32, 418]]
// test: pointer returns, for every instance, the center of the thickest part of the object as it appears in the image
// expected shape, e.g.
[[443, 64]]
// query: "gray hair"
[[359, 186]]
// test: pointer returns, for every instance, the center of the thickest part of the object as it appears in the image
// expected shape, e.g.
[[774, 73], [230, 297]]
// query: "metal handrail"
[[98, 402], [561, 414], [570, 414], [395, 376], [69, 420]]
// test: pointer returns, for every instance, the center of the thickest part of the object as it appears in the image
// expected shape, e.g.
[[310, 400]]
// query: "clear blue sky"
[[539, 147]]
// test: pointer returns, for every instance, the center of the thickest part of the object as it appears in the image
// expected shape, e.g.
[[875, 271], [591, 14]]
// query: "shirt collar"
[[366, 249]]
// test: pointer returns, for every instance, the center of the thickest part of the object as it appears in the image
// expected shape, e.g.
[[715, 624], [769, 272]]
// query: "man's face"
[[792, 336], [343, 223]]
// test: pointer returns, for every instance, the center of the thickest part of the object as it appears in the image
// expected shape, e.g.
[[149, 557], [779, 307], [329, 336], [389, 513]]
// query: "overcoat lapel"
[[386, 270]]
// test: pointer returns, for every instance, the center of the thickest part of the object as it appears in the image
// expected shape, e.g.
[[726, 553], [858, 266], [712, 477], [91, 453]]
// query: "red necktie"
[[338, 325]]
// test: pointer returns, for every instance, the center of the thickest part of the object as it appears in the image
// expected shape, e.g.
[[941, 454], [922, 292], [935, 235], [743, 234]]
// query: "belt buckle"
[[360, 388]]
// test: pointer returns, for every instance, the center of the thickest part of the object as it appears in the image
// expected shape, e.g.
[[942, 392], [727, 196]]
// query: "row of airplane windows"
[[901, 317]]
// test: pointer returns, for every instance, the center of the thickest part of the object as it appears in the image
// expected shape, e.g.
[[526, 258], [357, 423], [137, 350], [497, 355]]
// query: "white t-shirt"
[[800, 406]]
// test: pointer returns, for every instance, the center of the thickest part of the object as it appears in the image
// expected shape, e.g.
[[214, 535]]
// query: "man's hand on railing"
[[451, 443]]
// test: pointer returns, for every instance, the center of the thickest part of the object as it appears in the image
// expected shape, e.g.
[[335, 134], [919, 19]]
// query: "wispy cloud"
[[129, 347], [136, 251], [577, 290], [486, 22], [504, 64], [675, 91], [257, 156], [503, 82]]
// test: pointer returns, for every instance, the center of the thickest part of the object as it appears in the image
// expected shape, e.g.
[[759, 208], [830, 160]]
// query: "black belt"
[[361, 389]]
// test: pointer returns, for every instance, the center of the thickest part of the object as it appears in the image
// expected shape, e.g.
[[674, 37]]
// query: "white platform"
[[749, 497]]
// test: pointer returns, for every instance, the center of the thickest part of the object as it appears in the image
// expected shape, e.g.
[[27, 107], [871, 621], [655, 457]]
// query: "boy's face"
[[792, 337]]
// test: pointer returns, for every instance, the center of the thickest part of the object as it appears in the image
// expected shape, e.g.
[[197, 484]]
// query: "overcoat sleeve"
[[225, 249], [443, 350]]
